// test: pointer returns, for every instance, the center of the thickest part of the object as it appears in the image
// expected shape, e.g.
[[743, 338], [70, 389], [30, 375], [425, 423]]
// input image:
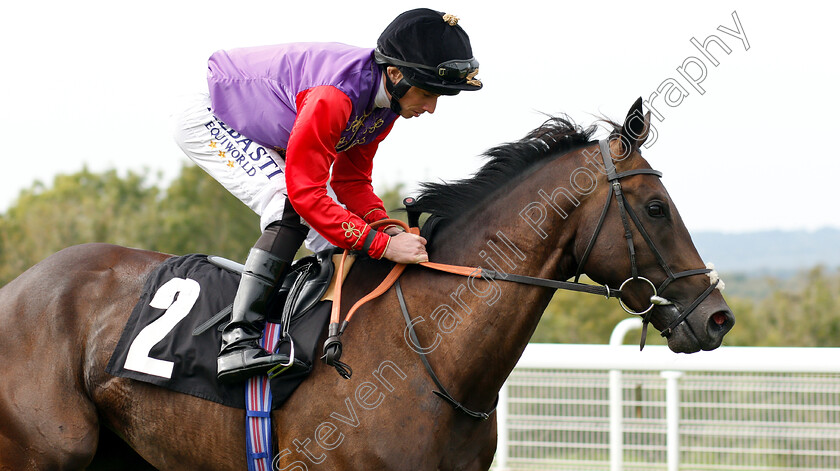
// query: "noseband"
[[625, 211]]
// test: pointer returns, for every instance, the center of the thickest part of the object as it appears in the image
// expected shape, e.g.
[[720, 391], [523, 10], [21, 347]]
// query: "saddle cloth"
[[157, 345]]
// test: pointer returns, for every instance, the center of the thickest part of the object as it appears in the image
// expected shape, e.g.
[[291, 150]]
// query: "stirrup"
[[282, 367], [241, 364]]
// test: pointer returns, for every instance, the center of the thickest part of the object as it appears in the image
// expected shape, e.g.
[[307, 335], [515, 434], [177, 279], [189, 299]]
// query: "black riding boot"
[[241, 356]]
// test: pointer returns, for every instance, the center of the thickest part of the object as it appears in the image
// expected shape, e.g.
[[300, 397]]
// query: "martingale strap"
[[442, 393]]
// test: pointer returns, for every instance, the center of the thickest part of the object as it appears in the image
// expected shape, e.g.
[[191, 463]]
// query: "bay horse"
[[533, 209]]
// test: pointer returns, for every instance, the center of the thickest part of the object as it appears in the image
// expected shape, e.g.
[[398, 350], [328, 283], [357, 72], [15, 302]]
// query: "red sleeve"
[[322, 115], [351, 179]]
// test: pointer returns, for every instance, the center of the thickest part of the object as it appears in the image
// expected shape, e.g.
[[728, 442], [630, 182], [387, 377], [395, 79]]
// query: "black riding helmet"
[[431, 51]]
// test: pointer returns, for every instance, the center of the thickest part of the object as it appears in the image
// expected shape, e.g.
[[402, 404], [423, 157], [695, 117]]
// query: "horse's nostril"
[[721, 321]]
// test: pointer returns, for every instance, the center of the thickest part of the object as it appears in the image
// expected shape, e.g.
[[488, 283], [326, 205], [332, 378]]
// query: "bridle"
[[625, 211], [333, 347]]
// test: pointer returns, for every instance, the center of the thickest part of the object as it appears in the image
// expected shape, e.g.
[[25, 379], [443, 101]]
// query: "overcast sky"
[[91, 83]]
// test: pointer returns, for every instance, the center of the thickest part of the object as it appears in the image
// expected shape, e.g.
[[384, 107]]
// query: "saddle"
[[310, 280], [183, 358]]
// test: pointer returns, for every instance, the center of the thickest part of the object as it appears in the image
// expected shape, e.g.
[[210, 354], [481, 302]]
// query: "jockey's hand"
[[407, 248], [393, 230]]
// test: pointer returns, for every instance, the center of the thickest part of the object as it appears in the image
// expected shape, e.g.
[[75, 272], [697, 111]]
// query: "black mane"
[[557, 135]]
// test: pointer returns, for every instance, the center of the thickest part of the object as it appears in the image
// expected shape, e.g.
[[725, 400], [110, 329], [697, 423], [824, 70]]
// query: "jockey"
[[291, 130]]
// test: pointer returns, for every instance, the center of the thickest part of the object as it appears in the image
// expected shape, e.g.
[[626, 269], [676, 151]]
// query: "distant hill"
[[776, 253]]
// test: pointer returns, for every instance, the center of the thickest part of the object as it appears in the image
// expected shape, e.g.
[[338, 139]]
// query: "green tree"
[[195, 214], [805, 316], [82, 207], [392, 199]]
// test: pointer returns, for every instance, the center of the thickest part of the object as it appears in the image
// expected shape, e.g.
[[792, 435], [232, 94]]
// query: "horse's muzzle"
[[703, 330]]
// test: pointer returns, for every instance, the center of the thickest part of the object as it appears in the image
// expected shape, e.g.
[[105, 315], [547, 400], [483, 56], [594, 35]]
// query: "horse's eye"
[[656, 209]]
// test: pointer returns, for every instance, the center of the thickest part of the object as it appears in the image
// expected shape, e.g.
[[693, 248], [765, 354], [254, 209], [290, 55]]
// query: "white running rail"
[[612, 407]]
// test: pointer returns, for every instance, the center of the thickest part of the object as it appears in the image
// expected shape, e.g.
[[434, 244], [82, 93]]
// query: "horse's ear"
[[635, 129]]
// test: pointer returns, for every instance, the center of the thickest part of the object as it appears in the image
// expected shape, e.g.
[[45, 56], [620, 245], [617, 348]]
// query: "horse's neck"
[[499, 317]]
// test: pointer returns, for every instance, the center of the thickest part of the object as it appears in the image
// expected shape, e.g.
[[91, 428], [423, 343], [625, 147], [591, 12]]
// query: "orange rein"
[[392, 277]]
